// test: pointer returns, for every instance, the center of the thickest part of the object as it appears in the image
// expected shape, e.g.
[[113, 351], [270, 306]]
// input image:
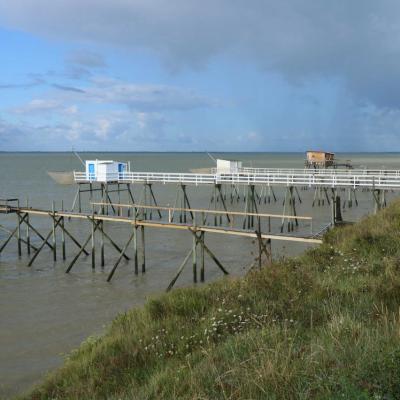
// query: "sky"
[[210, 75]]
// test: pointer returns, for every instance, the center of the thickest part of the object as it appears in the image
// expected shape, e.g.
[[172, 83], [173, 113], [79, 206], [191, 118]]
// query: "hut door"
[[91, 171], [121, 169]]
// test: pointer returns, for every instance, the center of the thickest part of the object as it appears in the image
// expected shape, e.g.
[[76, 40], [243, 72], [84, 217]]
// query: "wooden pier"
[[136, 218], [336, 188], [252, 186]]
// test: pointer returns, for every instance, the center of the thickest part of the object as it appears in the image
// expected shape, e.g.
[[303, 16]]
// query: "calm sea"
[[45, 313]]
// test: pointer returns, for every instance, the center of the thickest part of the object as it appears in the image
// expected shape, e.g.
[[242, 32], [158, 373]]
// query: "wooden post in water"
[[79, 198], [93, 242], [28, 238], [194, 257], [143, 250], [102, 245], [135, 244], [62, 232], [135, 249], [19, 233], [119, 199], [54, 232]]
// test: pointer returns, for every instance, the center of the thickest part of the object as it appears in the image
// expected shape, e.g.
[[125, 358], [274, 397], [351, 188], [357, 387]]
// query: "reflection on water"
[[45, 313]]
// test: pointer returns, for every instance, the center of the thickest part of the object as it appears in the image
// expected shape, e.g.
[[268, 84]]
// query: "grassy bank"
[[323, 325]]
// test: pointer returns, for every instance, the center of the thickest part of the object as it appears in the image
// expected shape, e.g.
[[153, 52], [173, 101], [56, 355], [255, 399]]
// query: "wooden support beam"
[[143, 250], [28, 238], [208, 211], [211, 254], [135, 250], [102, 244], [223, 203], [194, 260], [47, 243], [160, 224], [8, 239], [187, 201], [54, 233], [93, 245], [109, 198], [74, 202], [19, 234], [12, 233], [154, 200], [79, 199], [94, 218], [82, 248], [119, 258], [180, 269], [63, 247], [64, 229], [43, 244], [264, 247], [202, 269]]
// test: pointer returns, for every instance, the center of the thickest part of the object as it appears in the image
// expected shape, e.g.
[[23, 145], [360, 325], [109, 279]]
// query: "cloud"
[[26, 85], [357, 42], [86, 58], [45, 106], [146, 97], [67, 88]]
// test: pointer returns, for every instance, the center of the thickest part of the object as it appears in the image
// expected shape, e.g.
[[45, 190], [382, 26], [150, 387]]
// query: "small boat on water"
[[62, 177]]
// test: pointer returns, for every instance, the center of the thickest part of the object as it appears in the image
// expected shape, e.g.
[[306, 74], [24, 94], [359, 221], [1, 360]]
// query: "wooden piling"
[[62, 224], [28, 238], [93, 243], [143, 250], [54, 232], [202, 271], [135, 250], [102, 245], [19, 234], [194, 258], [79, 199]]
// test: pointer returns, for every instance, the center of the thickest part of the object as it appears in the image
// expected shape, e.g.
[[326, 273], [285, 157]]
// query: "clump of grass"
[[322, 325]]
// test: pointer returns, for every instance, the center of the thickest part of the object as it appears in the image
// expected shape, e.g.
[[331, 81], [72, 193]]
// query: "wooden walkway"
[[329, 179], [137, 223]]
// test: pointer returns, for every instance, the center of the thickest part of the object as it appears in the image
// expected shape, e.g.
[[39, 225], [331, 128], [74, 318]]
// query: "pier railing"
[[310, 179], [319, 171]]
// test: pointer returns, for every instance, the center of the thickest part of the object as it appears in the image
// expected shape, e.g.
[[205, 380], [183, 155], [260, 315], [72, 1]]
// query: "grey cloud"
[[67, 88], [27, 85], [69, 72], [356, 41], [86, 58], [147, 98], [45, 106]]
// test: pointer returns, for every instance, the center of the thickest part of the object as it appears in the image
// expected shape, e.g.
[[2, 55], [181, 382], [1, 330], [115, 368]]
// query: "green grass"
[[325, 325]]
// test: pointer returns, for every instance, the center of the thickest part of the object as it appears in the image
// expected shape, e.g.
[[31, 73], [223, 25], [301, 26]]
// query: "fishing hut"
[[105, 176], [319, 159], [105, 170], [228, 166]]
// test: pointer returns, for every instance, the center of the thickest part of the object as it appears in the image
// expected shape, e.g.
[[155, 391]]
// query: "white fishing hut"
[[228, 166], [105, 170]]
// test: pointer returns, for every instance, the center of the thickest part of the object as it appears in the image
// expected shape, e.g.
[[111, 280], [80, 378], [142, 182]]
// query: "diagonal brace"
[[122, 253], [70, 236], [82, 247], [110, 240], [43, 243], [211, 254]]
